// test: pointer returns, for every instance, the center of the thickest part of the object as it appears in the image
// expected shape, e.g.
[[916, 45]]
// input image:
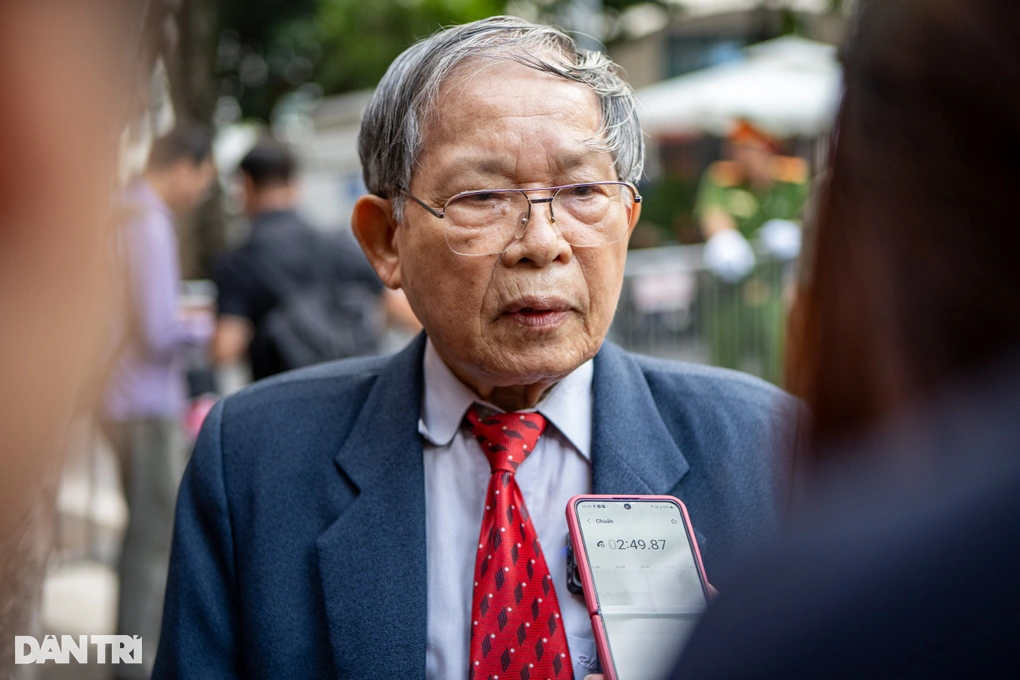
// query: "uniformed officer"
[[758, 194]]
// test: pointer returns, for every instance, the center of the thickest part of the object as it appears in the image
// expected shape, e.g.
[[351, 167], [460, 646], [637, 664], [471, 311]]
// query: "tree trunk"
[[194, 89]]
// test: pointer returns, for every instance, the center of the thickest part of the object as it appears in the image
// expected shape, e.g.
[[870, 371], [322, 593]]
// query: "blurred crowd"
[[899, 331]]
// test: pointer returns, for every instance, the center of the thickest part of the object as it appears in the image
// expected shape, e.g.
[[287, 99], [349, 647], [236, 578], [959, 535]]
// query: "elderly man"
[[342, 521]]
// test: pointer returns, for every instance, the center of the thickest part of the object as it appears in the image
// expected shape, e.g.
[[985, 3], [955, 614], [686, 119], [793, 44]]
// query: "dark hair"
[[269, 164], [185, 142], [917, 279]]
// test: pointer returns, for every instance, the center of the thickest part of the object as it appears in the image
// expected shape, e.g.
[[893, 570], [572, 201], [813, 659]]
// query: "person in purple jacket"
[[146, 398]]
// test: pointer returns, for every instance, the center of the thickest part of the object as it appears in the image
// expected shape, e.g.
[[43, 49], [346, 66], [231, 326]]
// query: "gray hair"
[[390, 141]]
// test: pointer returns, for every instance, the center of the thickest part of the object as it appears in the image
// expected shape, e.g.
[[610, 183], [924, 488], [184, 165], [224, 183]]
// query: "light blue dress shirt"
[[456, 478]]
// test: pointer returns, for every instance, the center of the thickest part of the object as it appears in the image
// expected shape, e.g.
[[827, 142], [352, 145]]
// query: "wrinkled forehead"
[[482, 72], [498, 106]]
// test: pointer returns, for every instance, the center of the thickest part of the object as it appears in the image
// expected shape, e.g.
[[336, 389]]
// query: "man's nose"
[[538, 239]]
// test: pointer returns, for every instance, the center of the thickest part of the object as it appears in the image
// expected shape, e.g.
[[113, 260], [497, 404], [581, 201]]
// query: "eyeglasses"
[[486, 222]]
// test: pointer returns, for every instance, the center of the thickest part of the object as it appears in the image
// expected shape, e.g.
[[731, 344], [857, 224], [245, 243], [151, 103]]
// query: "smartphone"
[[643, 580]]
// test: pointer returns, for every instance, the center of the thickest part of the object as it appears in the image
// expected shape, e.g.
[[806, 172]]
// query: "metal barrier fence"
[[672, 307]]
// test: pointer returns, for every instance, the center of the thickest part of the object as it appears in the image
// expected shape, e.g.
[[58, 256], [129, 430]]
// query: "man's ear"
[[373, 225], [635, 215]]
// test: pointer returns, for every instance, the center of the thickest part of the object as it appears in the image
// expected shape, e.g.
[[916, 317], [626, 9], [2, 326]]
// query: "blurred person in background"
[[330, 523], [71, 74], [146, 398], [904, 556], [758, 194], [291, 296]]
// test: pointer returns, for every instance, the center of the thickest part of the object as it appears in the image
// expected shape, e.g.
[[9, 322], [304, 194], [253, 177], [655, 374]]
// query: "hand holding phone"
[[644, 582]]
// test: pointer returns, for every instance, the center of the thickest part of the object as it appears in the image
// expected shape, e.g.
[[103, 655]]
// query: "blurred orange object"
[[746, 132]]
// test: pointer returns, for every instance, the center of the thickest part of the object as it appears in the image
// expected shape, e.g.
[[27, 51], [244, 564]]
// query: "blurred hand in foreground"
[[59, 127], [781, 239]]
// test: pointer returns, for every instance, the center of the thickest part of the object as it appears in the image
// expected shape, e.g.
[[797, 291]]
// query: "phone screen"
[[647, 581]]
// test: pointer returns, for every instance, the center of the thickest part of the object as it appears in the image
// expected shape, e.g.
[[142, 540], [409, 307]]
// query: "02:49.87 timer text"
[[636, 544]]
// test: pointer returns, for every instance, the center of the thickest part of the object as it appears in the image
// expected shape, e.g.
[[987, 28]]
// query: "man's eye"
[[582, 190], [486, 200]]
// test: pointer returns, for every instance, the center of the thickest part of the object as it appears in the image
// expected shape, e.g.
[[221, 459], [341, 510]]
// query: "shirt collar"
[[567, 406]]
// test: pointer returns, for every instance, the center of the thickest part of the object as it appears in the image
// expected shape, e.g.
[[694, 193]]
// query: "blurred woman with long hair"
[[917, 277], [904, 548]]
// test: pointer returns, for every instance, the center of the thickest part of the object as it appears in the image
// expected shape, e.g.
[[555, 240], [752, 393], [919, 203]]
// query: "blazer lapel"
[[372, 559], [632, 451]]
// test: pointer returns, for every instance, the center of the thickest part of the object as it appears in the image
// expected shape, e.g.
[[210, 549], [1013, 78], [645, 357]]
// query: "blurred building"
[[711, 32], [328, 150]]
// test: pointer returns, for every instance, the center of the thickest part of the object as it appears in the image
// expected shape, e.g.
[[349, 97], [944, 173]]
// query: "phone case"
[[581, 558]]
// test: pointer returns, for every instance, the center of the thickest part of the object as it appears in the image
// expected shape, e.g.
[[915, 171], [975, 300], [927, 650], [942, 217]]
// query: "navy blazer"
[[299, 542]]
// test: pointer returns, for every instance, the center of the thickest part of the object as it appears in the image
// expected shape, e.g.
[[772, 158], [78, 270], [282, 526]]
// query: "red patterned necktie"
[[516, 629]]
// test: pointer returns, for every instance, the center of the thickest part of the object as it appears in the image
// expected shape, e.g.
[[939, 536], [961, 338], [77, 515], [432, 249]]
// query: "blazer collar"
[[632, 450], [372, 559], [387, 425]]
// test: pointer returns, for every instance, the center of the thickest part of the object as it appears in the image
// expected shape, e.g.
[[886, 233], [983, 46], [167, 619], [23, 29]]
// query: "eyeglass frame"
[[441, 214]]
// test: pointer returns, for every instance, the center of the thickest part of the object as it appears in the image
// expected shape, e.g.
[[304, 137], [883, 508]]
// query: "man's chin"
[[529, 362]]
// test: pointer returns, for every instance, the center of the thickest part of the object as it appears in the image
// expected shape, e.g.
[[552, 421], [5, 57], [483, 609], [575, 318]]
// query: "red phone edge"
[[584, 568]]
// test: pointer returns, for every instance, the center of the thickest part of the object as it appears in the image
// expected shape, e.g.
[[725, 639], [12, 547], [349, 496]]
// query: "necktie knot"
[[506, 439]]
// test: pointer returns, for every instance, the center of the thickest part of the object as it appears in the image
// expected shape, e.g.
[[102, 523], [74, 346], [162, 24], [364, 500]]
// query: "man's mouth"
[[538, 313]]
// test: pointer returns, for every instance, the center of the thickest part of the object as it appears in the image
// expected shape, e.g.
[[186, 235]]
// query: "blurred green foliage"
[[265, 49], [360, 38], [668, 205]]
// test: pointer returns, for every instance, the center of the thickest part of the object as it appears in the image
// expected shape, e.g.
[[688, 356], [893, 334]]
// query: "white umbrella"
[[789, 86]]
